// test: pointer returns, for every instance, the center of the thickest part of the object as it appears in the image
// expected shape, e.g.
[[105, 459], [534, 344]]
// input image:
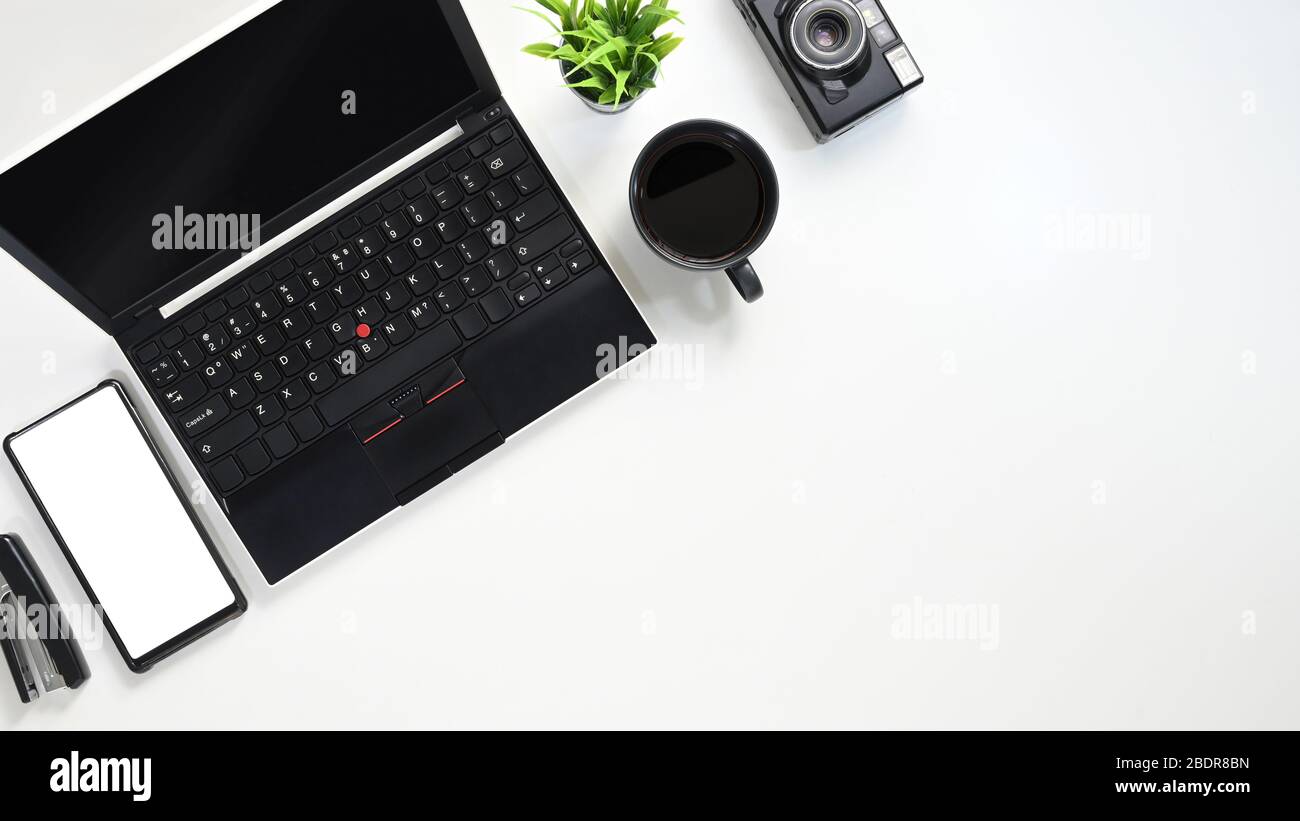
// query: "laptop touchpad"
[[442, 426]]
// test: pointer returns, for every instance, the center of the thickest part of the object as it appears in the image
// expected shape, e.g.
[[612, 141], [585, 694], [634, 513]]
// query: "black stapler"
[[34, 632]]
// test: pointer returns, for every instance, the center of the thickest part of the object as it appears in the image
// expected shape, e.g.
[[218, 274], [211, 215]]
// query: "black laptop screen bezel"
[[486, 93]]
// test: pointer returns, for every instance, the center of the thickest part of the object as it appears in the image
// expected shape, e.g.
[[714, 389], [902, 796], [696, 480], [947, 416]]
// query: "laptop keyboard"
[[291, 349]]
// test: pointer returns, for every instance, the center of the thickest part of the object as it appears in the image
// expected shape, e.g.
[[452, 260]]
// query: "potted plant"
[[608, 51]]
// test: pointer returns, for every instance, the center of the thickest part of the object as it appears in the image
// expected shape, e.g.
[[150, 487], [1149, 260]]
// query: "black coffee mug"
[[704, 196]]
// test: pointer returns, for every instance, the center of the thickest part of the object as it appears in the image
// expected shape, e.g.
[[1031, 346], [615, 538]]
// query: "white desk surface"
[[954, 399]]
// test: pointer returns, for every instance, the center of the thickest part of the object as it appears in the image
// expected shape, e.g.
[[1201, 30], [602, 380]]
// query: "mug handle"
[[746, 281]]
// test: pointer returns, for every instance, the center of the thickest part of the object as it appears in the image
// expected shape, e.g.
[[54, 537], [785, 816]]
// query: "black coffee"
[[702, 199]]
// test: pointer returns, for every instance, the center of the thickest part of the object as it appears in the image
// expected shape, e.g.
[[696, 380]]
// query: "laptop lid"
[[249, 135]]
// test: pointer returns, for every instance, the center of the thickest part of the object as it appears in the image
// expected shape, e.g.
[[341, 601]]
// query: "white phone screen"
[[122, 522]]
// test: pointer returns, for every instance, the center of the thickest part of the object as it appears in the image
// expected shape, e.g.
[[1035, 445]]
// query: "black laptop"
[[382, 348]]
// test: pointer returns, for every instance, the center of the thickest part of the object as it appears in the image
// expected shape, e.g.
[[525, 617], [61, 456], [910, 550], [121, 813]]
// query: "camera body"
[[841, 61]]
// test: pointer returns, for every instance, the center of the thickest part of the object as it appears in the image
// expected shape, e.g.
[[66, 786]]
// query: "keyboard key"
[[372, 347], [240, 323], [172, 337], [571, 248], [362, 389], [531, 213], [479, 147], [226, 475], [217, 373], [554, 279], [421, 280], [280, 441], [242, 356], [579, 263], [450, 227], [266, 308], [267, 411], [344, 329], [476, 281], [472, 248], [368, 311], [346, 362], [447, 264], [528, 180], [346, 292], [421, 211], [458, 160], [543, 240], [470, 322], [476, 212], [500, 265], [293, 394], [291, 291], [239, 394], [502, 133], [162, 372], [449, 297], [264, 378], [437, 172], [391, 201], [320, 308], [413, 187], [193, 324], [204, 416], [496, 305], [317, 275], [268, 341], [544, 266], [472, 179], [189, 355], [505, 160], [253, 458], [395, 227], [324, 241], [502, 196], [372, 213], [424, 243], [320, 378], [282, 268], [398, 329], [527, 296], [317, 345], [446, 196], [422, 313], [369, 242], [343, 260], [395, 296], [291, 360], [306, 424], [147, 352], [214, 311], [399, 260], [260, 282], [295, 323], [524, 278], [185, 393], [348, 228], [372, 276], [221, 440], [304, 255], [214, 340]]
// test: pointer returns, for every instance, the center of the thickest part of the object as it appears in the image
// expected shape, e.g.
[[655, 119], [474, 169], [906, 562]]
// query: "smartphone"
[[125, 526]]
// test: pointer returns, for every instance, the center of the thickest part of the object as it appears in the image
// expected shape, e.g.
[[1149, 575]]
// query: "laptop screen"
[[271, 113]]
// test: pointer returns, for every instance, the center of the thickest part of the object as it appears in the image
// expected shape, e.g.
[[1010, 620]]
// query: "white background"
[[1092, 443]]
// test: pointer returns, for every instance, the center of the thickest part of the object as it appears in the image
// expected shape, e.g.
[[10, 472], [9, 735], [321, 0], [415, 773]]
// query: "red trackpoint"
[[363, 331]]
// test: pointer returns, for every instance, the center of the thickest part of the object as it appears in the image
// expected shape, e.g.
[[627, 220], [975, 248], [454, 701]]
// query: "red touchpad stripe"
[[445, 392], [385, 429]]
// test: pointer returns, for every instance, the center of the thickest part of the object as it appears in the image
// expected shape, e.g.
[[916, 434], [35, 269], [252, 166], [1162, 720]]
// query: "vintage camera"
[[840, 60]]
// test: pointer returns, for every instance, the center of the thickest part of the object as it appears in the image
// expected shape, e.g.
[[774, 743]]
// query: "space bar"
[[368, 385]]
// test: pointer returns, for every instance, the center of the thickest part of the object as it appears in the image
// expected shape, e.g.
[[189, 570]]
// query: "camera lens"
[[829, 37], [828, 31]]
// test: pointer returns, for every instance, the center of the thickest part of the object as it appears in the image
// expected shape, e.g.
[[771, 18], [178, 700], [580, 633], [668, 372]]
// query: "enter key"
[[531, 213]]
